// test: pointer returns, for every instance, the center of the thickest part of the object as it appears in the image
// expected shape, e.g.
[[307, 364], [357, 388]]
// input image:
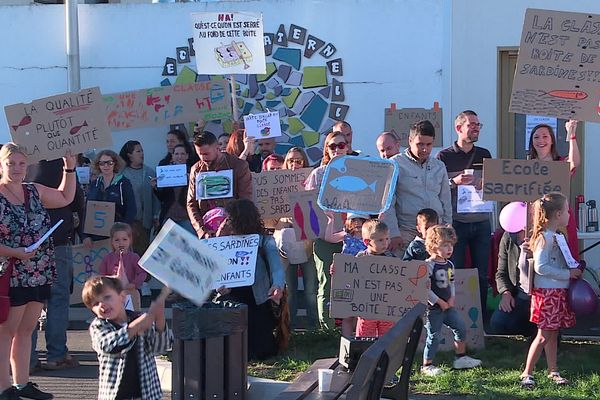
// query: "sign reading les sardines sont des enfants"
[[523, 180], [50, 126]]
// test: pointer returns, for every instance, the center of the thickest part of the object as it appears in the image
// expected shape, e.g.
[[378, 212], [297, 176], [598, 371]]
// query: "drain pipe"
[[72, 30]]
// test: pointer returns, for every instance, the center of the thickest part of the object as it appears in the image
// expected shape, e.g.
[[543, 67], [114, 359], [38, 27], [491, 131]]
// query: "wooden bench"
[[393, 351]]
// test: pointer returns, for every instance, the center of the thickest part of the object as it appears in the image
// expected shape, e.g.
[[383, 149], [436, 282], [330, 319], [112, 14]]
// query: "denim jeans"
[[515, 322], [323, 252], [477, 236], [57, 312], [435, 319], [309, 277]]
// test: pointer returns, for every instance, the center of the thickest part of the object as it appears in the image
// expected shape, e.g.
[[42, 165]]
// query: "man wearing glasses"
[[422, 183], [464, 162]]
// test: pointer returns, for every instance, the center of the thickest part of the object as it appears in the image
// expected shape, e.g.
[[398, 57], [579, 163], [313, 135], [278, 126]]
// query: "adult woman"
[[24, 220], [110, 185], [175, 137], [223, 140], [243, 147], [297, 254], [243, 218], [335, 145], [146, 203], [542, 146], [173, 199]]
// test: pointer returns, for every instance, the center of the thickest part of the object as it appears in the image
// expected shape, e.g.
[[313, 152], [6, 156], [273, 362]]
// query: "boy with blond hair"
[[126, 341], [440, 244]]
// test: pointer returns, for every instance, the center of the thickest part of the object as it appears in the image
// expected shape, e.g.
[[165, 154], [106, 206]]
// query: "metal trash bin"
[[210, 353]]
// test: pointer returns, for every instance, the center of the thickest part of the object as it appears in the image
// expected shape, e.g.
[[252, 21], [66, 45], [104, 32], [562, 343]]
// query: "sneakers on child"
[[10, 394], [466, 362], [556, 378], [527, 382], [431, 370], [31, 391]]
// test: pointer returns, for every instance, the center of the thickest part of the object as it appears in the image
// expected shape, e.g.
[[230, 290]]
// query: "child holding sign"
[[123, 262], [440, 244], [549, 307], [376, 236], [125, 341]]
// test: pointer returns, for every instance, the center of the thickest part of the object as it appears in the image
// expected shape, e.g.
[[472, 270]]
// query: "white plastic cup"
[[469, 171], [325, 376]]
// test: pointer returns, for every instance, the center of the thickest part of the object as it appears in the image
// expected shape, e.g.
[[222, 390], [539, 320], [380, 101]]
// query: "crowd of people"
[[423, 223]]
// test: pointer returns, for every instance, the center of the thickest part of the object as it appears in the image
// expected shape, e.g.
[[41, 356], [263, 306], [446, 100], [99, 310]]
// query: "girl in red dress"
[[549, 307]]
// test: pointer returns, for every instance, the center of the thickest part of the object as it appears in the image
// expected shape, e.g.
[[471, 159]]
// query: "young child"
[[376, 236], [549, 307], [353, 243], [132, 276], [426, 218], [440, 244], [125, 341]]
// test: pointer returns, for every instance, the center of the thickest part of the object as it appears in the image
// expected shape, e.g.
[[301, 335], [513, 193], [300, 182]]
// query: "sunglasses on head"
[[333, 146]]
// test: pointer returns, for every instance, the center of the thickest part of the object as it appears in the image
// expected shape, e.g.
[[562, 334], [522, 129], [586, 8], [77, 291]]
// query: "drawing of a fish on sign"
[[358, 184], [308, 220]]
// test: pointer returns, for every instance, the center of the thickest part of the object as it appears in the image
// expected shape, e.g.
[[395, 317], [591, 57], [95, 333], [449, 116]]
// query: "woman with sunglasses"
[[335, 145], [110, 185]]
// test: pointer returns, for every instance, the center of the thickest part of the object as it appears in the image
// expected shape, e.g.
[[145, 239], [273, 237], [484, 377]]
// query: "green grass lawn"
[[503, 360]]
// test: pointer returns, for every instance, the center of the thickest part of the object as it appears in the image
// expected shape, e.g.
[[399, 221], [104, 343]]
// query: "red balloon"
[[582, 298]]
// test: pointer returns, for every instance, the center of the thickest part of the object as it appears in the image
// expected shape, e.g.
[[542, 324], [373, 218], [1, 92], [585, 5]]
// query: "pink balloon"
[[513, 217]]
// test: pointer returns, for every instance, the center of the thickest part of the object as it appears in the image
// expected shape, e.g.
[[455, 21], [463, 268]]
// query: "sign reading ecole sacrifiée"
[[241, 253], [229, 43], [182, 262], [49, 126]]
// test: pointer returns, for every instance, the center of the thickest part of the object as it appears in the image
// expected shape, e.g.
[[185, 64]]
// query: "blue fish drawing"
[[352, 184], [338, 164], [314, 220], [242, 253]]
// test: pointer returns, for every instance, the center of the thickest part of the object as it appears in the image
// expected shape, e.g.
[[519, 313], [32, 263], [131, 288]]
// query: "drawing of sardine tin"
[[358, 184]]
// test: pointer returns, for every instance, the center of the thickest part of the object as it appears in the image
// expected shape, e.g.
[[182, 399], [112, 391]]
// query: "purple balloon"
[[513, 217], [582, 298]]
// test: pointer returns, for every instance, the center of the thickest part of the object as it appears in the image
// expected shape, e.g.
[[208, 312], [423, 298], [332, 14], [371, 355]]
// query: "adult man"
[[422, 183], [266, 147], [388, 145], [512, 315], [472, 229], [346, 129], [212, 159], [57, 315]]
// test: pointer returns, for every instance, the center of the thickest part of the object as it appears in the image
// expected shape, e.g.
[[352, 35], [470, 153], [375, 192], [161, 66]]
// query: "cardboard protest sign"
[[399, 121], [165, 105], [86, 263], [263, 125], [272, 190], [50, 126], [99, 217], [229, 43], [523, 180], [171, 175], [308, 220], [375, 287], [214, 184], [358, 184], [468, 305], [558, 66], [182, 262], [241, 253]]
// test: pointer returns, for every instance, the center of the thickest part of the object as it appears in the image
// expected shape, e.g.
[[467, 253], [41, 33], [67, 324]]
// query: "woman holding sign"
[[335, 145], [243, 218], [542, 146], [23, 221]]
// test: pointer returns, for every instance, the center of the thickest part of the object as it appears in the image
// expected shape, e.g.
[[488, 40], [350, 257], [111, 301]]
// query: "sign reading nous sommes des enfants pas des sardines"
[[241, 253], [229, 43], [523, 180], [50, 126], [208, 100], [376, 287], [558, 68], [181, 261], [272, 191]]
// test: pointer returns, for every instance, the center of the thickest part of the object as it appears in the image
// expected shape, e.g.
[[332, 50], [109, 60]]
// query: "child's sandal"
[[555, 377], [527, 381]]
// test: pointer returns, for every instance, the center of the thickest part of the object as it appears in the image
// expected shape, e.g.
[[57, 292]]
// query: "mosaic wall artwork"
[[309, 98]]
